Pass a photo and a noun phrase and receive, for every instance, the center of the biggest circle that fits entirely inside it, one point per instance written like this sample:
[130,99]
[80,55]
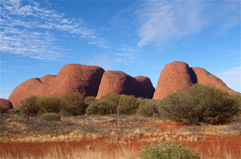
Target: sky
[38,37]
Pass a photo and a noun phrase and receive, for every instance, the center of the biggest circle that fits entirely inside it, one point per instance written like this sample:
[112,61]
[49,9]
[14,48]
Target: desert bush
[78,108]
[200,104]
[148,107]
[3,109]
[164,150]
[50,104]
[74,104]
[29,105]
[127,104]
[107,104]
[89,100]
[50,117]
[101,107]
[112,97]
[14,111]
[72,97]
[237,98]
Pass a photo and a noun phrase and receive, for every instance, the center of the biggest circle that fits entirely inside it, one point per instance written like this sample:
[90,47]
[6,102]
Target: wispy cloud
[30,29]
[232,78]
[162,21]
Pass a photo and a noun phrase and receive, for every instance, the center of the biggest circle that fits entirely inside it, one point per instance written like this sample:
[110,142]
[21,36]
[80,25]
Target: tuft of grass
[50,117]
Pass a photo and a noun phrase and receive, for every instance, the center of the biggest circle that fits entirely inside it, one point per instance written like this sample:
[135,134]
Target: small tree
[29,106]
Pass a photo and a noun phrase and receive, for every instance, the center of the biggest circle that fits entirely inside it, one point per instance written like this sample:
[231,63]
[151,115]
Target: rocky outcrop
[77,78]
[70,78]
[48,78]
[145,88]
[94,81]
[121,83]
[204,77]
[5,103]
[177,75]
[174,76]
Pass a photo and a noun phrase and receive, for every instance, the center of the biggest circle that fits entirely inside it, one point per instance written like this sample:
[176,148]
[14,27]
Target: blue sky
[137,37]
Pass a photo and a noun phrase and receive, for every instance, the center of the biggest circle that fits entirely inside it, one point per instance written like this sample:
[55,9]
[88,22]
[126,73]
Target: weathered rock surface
[5,103]
[177,75]
[121,83]
[174,76]
[70,78]
[48,78]
[145,88]
[204,77]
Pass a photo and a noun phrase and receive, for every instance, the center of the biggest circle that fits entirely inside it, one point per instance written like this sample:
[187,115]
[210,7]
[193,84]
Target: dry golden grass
[16,129]
[99,152]
[102,152]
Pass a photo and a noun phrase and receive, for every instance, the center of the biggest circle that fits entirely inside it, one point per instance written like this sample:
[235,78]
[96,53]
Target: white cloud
[30,29]
[232,78]
[162,21]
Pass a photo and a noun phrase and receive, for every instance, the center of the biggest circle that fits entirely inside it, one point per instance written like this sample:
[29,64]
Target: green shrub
[112,97]
[50,117]
[164,150]
[148,107]
[50,104]
[107,104]
[101,107]
[71,98]
[74,104]
[3,109]
[200,104]
[89,100]
[14,111]
[127,104]
[29,105]
[76,109]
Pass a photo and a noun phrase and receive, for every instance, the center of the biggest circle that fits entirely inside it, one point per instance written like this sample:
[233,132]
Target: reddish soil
[213,143]
[230,144]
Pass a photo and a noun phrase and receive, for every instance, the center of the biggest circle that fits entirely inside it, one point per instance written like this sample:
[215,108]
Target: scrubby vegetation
[75,104]
[200,104]
[50,117]
[124,118]
[168,151]
[3,109]
[148,107]
[197,104]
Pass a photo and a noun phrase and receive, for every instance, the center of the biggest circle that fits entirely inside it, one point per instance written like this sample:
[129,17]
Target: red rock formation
[177,75]
[113,82]
[48,78]
[174,76]
[121,83]
[5,103]
[77,78]
[204,77]
[71,78]
[145,88]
